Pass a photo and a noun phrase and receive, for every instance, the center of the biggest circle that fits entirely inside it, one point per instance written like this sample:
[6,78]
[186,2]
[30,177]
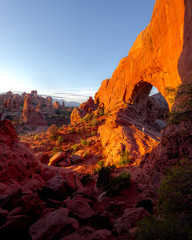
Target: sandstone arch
[153,57]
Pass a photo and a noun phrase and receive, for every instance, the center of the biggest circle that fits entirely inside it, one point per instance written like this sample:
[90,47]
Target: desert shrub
[93,133]
[147,204]
[117,184]
[101,163]
[84,142]
[52,132]
[112,185]
[88,117]
[151,228]
[125,158]
[101,112]
[174,208]
[94,122]
[183,109]
[74,148]
[60,140]
[36,137]
[104,177]
[56,150]
[175,192]
[86,179]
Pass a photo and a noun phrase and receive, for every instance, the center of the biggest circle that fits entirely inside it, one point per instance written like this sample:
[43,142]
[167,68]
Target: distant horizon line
[73,97]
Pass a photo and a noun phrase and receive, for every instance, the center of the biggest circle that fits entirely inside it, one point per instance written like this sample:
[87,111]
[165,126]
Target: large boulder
[79,209]
[16,159]
[129,219]
[53,224]
[56,158]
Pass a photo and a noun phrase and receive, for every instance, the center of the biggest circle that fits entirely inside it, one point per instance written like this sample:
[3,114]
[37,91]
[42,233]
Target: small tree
[174,208]
[53,132]
[182,110]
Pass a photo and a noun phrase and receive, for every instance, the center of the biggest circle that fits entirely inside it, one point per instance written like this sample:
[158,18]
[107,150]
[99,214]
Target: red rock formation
[153,58]
[31,116]
[9,93]
[9,103]
[63,106]
[76,115]
[56,105]
[16,103]
[34,93]
[5,103]
[87,107]
[48,102]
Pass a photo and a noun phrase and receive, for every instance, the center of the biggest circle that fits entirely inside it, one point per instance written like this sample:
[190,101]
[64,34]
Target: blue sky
[66,47]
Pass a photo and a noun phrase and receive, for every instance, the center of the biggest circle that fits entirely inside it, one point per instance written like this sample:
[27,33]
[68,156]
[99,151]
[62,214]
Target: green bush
[125,158]
[174,208]
[52,132]
[36,137]
[101,163]
[101,112]
[112,185]
[56,150]
[84,142]
[94,122]
[93,133]
[74,148]
[60,140]
[88,117]
[119,183]
[175,192]
[183,110]
[104,177]
[151,228]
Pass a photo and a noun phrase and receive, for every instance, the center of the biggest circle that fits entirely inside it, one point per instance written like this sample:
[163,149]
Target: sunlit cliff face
[153,58]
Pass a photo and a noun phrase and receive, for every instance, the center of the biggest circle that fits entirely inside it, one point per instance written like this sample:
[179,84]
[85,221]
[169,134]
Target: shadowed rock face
[153,57]
[16,160]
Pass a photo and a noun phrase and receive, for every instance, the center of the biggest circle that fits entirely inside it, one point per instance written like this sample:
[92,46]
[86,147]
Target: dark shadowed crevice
[141,92]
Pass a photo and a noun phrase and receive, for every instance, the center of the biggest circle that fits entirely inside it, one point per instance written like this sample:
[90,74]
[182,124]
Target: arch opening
[151,107]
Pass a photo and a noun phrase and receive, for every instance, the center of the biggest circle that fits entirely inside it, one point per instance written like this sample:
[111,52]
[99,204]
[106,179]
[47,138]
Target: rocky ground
[42,202]
[92,179]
